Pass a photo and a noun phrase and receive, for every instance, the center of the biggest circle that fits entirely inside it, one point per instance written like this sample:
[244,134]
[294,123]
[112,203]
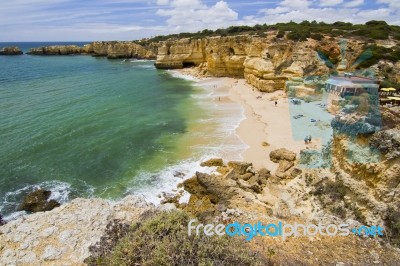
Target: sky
[91,20]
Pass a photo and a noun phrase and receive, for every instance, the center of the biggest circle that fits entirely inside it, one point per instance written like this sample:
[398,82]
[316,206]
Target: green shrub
[339,211]
[280,34]
[373,53]
[317,36]
[163,239]
[336,190]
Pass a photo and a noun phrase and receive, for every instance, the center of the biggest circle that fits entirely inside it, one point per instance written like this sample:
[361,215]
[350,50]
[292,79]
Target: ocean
[85,126]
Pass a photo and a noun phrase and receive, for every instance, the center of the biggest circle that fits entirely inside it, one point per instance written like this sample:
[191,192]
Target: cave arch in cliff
[231,51]
[187,64]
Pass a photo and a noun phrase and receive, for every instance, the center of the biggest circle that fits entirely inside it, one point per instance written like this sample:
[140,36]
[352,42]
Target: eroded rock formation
[265,63]
[110,50]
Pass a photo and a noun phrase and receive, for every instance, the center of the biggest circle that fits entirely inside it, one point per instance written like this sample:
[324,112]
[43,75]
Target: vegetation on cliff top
[162,239]
[375,30]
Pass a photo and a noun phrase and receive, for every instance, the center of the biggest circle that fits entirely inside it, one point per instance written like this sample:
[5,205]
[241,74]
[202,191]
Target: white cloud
[193,15]
[330,2]
[277,10]
[391,3]
[354,3]
[162,2]
[296,4]
[40,20]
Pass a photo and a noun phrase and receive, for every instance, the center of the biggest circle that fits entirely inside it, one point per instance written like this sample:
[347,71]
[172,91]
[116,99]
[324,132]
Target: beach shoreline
[264,127]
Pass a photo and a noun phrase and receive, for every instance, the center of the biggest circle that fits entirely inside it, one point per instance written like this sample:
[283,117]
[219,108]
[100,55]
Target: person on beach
[309,139]
[306,140]
[276,103]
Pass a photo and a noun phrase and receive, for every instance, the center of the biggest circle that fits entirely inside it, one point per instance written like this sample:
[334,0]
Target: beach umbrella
[388,89]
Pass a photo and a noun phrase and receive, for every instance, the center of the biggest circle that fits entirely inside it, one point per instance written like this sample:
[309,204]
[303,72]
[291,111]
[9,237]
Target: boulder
[12,50]
[37,201]
[285,158]
[264,173]
[282,154]
[246,176]
[213,162]
[240,167]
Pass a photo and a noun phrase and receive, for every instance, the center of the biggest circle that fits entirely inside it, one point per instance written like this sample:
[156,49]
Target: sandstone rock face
[265,62]
[63,236]
[13,50]
[55,50]
[37,201]
[111,50]
[373,187]
[115,50]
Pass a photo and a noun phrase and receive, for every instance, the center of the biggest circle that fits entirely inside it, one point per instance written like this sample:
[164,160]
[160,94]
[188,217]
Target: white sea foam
[60,192]
[226,144]
[177,74]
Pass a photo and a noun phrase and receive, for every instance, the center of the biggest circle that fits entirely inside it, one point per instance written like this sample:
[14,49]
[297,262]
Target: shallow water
[84,126]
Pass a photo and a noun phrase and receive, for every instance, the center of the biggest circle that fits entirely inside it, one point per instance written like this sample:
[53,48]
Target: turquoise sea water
[84,126]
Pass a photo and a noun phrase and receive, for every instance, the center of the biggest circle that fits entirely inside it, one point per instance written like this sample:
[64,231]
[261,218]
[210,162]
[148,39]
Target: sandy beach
[266,127]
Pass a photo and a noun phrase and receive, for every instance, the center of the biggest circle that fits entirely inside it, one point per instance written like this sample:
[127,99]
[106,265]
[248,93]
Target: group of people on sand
[307,139]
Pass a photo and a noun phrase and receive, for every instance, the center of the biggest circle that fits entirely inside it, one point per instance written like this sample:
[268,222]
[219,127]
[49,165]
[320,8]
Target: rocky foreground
[63,236]
[353,194]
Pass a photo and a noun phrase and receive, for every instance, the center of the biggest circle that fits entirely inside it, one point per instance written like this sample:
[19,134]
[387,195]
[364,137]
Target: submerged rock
[37,201]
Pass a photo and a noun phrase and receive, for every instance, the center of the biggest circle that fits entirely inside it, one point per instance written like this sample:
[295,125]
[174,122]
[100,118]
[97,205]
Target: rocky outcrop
[56,50]
[12,50]
[371,185]
[387,142]
[115,50]
[237,189]
[110,50]
[213,162]
[38,201]
[286,160]
[63,236]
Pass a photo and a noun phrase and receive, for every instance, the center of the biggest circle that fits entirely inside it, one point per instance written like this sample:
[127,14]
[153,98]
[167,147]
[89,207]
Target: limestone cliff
[266,63]
[110,50]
